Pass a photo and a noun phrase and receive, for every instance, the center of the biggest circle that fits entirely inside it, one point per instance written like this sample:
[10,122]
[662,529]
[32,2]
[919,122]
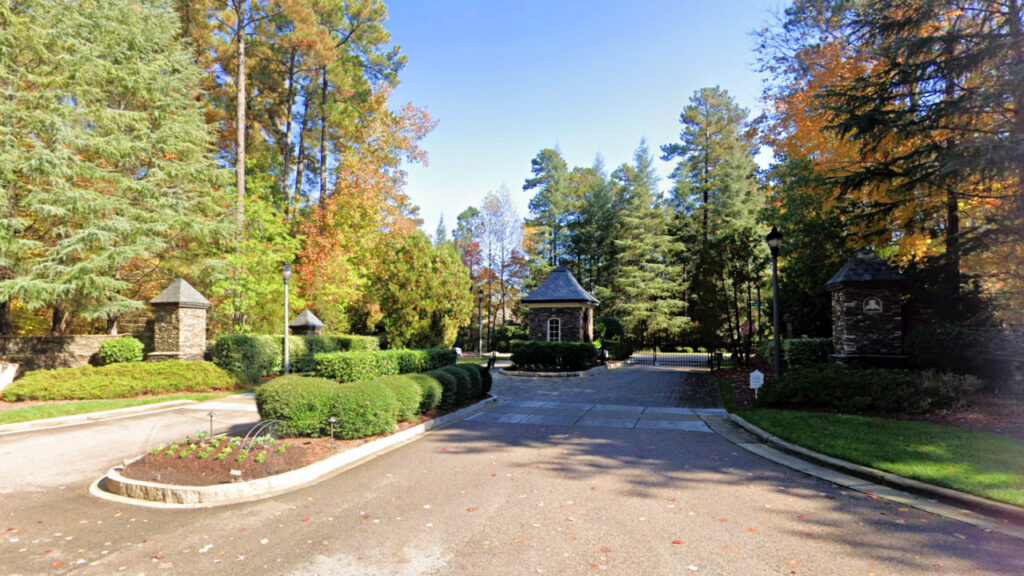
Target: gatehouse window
[554,330]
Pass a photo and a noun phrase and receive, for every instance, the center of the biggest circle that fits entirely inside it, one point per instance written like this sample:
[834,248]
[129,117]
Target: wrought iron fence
[655,357]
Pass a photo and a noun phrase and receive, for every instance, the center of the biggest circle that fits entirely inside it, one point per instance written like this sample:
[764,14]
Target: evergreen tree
[646,294]
[549,205]
[106,156]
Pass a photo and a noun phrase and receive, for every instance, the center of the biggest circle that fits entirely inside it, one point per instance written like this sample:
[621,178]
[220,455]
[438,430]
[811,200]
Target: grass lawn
[973,462]
[471,360]
[71,408]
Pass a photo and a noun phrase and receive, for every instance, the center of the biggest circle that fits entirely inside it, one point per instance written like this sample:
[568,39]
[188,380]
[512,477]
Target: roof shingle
[560,286]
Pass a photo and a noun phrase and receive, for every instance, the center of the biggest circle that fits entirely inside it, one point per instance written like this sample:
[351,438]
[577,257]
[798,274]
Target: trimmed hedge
[472,372]
[353,366]
[256,355]
[123,380]
[124,349]
[367,408]
[867,390]
[553,355]
[798,352]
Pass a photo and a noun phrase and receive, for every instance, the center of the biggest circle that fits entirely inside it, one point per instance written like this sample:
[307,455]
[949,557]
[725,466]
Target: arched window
[554,330]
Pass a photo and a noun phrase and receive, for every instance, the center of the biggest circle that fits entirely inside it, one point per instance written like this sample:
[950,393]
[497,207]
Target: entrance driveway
[491,498]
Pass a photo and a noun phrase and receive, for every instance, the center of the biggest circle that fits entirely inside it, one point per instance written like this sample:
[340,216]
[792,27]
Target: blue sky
[506,79]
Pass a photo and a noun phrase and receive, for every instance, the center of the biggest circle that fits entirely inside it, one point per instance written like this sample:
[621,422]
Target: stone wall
[38,352]
[859,329]
[572,320]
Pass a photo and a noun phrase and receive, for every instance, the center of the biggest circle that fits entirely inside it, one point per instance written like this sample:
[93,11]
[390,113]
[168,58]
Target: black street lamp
[480,322]
[286,272]
[774,240]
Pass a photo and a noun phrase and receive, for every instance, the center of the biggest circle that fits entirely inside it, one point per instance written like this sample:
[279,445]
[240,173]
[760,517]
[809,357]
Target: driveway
[488,497]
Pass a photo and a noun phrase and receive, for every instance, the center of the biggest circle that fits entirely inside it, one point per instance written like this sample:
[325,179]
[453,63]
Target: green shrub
[472,371]
[248,356]
[463,386]
[430,391]
[304,404]
[355,366]
[944,346]
[877,390]
[553,355]
[608,328]
[257,355]
[449,388]
[124,349]
[124,380]
[407,392]
[617,349]
[798,352]
[440,357]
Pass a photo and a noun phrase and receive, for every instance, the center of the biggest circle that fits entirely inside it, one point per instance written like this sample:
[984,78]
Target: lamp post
[480,322]
[286,272]
[774,240]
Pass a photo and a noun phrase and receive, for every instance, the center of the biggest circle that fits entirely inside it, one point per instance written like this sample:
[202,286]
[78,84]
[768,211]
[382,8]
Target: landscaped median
[305,409]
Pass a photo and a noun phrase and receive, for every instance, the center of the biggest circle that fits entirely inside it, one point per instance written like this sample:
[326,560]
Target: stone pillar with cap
[179,323]
[867,318]
[306,324]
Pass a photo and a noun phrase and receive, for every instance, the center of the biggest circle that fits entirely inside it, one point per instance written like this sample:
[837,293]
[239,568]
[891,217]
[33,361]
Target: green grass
[965,460]
[58,409]
[481,361]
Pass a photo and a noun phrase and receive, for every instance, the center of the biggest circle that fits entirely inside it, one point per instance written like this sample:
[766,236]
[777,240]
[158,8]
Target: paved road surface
[486,497]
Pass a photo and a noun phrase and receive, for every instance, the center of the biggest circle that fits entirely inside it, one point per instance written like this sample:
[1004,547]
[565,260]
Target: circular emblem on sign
[873,305]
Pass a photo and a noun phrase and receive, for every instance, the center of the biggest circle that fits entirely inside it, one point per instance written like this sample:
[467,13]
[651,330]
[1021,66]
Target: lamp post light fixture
[774,240]
[286,272]
[332,421]
[480,322]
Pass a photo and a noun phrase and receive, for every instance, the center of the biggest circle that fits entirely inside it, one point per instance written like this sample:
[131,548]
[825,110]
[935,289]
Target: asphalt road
[491,498]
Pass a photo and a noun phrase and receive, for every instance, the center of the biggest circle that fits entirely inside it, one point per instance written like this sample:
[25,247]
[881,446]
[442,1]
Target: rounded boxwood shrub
[449,388]
[473,373]
[464,387]
[408,395]
[124,349]
[304,404]
[249,356]
[430,392]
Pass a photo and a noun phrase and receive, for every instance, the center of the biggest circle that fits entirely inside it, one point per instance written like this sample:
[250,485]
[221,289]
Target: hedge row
[355,366]
[370,407]
[798,352]
[553,355]
[252,356]
[122,380]
[832,387]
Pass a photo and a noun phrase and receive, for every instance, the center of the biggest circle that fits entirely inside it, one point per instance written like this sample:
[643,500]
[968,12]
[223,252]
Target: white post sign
[756,381]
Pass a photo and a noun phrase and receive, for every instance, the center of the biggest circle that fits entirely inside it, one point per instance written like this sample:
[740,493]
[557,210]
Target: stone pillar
[867,318]
[179,323]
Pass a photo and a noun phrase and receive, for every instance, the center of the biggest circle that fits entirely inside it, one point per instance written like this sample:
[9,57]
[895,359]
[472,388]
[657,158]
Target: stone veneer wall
[178,333]
[857,333]
[39,352]
[571,320]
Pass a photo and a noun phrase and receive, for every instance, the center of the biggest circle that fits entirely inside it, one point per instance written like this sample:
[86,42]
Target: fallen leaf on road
[57,564]
[473,509]
[677,541]
[305,519]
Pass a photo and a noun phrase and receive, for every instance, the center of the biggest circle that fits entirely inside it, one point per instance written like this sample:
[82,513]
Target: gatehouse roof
[560,286]
[306,320]
[866,268]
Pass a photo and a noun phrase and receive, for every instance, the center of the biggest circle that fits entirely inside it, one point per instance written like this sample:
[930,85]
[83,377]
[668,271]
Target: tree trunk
[60,322]
[323,137]
[286,145]
[240,117]
[6,326]
[1017,42]
[300,154]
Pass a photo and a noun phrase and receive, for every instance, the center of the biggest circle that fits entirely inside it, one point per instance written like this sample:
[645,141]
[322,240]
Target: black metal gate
[655,357]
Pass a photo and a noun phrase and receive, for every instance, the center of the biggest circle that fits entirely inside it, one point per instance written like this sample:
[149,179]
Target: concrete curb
[967,500]
[63,421]
[117,488]
[574,374]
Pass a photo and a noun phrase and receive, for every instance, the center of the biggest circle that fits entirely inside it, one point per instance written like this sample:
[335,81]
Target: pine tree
[549,205]
[105,152]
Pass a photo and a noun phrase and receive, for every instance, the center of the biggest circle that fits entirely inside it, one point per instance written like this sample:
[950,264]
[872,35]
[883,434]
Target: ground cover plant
[122,380]
[974,462]
[13,415]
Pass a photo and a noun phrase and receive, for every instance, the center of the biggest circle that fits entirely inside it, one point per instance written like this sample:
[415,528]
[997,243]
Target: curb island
[118,488]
